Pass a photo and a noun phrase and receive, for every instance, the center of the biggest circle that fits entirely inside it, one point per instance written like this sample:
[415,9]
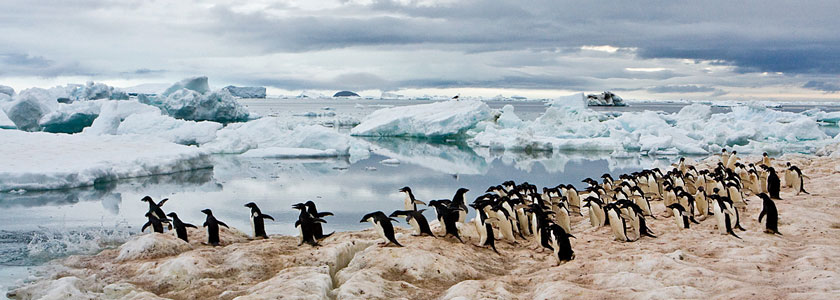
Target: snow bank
[191,99]
[433,120]
[693,130]
[38,161]
[246,92]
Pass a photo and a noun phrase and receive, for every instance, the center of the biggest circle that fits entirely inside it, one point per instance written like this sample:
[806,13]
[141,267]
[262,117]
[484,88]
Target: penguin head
[462,191]
[764,154]
[310,205]
[146,199]
[172,215]
[405,189]
[299,206]
[251,205]
[207,211]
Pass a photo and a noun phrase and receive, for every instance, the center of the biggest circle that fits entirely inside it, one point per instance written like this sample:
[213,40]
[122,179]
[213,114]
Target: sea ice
[191,99]
[40,161]
[433,120]
[27,108]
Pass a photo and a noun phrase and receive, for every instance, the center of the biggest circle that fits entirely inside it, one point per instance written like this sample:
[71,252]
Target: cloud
[822,86]
[25,64]
[681,89]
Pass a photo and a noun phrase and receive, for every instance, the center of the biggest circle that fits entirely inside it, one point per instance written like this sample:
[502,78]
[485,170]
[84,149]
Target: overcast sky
[770,49]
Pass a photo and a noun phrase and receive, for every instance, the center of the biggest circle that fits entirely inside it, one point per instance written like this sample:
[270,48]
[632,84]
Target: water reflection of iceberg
[231,167]
[446,157]
[110,193]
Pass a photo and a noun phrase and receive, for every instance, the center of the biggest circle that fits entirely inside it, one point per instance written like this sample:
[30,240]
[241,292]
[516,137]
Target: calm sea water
[39,226]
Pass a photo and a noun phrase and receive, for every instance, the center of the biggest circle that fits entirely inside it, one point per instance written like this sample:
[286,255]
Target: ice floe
[191,99]
[433,120]
[246,91]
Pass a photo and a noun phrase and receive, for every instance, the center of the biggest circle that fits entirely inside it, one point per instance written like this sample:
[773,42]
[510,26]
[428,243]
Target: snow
[39,161]
[433,120]
[170,129]
[152,245]
[246,92]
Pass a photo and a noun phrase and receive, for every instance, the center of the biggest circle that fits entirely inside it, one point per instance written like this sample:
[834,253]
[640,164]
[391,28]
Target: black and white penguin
[383,226]
[417,221]
[723,212]
[597,215]
[797,179]
[154,222]
[155,209]
[459,204]
[617,223]
[560,243]
[258,221]
[447,217]
[486,235]
[305,225]
[410,203]
[318,229]
[680,215]
[180,227]
[773,184]
[212,226]
[769,210]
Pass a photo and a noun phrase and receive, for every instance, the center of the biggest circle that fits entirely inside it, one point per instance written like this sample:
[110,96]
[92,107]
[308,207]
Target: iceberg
[434,120]
[606,98]
[81,160]
[131,117]
[72,117]
[191,99]
[5,122]
[7,90]
[246,92]
[27,108]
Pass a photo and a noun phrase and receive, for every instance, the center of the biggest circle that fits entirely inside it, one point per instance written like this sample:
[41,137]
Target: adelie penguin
[383,226]
[258,220]
[485,229]
[769,210]
[797,180]
[459,203]
[410,203]
[774,185]
[680,215]
[417,221]
[180,227]
[313,211]
[154,222]
[154,208]
[306,225]
[447,217]
[560,243]
[212,226]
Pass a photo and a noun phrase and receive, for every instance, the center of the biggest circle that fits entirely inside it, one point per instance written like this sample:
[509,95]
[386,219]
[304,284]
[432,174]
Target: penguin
[383,226]
[410,203]
[560,243]
[769,210]
[730,163]
[417,221]
[257,220]
[680,215]
[180,227]
[486,235]
[702,202]
[305,225]
[617,223]
[773,184]
[506,223]
[724,218]
[155,209]
[724,157]
[212,226]
[797,179]
[318,229]
[459,204]
[154,222]
[765,160]
[447,217]
[597,216]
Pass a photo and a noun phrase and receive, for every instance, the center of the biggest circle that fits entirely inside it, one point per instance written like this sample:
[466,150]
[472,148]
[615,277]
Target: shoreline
[691,263]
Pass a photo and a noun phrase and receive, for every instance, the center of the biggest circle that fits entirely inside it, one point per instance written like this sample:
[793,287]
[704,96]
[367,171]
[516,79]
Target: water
[39,226]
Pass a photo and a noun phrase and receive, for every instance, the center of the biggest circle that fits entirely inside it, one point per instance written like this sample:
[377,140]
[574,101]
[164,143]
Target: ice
[5,122]
[271,132]
[152,245]
[605,99]
[72,117]
[170,129]
[28,107]
[246,92]
[283,152]
[191,99]
[40,161]
[433,120]
[7,90]
[112,113]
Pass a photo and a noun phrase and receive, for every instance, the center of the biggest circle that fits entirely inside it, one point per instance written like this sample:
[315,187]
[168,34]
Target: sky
[660,50]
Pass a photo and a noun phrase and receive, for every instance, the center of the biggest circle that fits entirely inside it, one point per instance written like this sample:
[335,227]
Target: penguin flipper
[222,224]
[326,235]
[324,214]
[693,220]
[264,216]
[162,202]
[189,225]
[732,233]
[761,215]
[145,226]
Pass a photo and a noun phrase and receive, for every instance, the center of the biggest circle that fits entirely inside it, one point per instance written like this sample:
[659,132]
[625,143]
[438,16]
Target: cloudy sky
[771,49]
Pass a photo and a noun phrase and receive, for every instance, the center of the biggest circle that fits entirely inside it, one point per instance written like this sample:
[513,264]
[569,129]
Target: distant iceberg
[433,120]
[246,91]
[191,99]
[606,98]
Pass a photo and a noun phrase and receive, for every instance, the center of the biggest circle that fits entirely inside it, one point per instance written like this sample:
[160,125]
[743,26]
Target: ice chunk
[71,118]
[189,104]
[92,91]
[7,90]
[28,107]
[433,120]
[40,161]
[246,92]
[170,129]
[509,119]
[604,99]
[196,84]
[113,112]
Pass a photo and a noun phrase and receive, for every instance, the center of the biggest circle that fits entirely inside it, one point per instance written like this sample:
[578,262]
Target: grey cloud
[24,64]
[822,86]
[681,89]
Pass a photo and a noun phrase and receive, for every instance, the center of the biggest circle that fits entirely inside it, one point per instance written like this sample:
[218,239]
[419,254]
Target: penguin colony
[512,212]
